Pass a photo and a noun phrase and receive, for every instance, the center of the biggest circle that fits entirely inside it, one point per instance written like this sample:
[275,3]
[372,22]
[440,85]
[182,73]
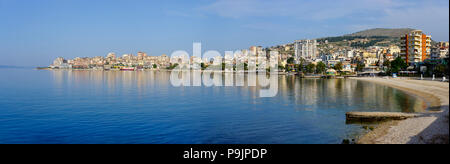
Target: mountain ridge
[369,37]
[386,32]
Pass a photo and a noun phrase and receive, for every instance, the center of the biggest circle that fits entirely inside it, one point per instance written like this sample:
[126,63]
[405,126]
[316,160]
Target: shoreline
[430,128]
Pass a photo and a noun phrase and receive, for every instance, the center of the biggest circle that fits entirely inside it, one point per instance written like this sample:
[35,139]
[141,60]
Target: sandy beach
[431,127]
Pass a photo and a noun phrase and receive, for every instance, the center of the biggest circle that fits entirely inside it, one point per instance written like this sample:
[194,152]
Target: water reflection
[348,93]
[61,106]
[306,94]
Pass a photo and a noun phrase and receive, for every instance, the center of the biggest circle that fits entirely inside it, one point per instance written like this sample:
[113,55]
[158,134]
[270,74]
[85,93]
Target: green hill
[367,38]
[396,32]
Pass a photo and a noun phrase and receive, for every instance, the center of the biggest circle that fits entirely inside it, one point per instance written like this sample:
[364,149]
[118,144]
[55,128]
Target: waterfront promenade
[431,127]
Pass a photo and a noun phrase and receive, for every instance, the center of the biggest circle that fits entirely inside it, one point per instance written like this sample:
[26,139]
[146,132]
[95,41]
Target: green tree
[223,66]
[360,67]
[172,66]
[287,68]
[155,66]
[290,60]
[297,67]
[310,68]
[387,66]
[446,62]
[398,64]
[439,70]
[338,67]
[302,62]
[281,67]
[321,67]
[203,65]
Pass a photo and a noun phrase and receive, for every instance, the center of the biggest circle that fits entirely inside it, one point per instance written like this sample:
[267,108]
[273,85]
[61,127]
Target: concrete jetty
[377,116]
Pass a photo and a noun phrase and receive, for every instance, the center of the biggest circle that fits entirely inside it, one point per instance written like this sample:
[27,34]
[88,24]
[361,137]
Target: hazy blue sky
[34,32]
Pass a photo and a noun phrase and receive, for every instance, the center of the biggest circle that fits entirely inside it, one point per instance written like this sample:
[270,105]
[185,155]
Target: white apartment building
[306,49]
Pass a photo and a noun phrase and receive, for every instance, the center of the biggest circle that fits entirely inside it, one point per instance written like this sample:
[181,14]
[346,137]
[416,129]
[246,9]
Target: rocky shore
[432,127]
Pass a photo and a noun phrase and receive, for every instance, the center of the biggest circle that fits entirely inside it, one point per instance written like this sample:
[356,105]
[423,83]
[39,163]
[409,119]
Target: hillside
[367,38]
[382,32]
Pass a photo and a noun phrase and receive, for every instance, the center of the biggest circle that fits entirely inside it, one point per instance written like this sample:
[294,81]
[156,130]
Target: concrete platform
[353,117]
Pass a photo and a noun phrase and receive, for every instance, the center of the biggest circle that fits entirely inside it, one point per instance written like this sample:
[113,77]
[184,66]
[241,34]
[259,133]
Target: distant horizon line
[16,66]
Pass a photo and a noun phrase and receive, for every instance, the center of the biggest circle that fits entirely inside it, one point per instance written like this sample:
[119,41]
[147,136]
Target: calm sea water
[44,106]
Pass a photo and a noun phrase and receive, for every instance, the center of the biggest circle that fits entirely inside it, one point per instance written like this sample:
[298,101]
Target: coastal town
[225,79]
[374,52]
[411,53]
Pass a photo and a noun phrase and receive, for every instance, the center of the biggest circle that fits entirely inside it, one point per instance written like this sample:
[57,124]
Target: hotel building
[415,47]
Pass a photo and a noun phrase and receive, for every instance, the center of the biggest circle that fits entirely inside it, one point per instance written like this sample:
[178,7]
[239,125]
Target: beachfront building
[394,50]
[306,49]
[439,53]
[415,47]
[370,62]
[440,50]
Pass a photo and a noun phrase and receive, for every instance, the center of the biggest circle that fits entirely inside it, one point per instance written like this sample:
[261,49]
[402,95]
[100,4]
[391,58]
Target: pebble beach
[431,127]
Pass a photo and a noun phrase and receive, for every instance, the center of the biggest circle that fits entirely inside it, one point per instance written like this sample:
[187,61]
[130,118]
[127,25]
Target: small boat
[127,69]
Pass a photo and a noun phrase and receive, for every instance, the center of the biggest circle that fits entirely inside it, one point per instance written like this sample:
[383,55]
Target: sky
[34,32]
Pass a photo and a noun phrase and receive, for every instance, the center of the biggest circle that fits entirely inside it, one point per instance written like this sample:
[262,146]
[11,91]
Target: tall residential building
[306,49]
[415,47]
[141,55]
